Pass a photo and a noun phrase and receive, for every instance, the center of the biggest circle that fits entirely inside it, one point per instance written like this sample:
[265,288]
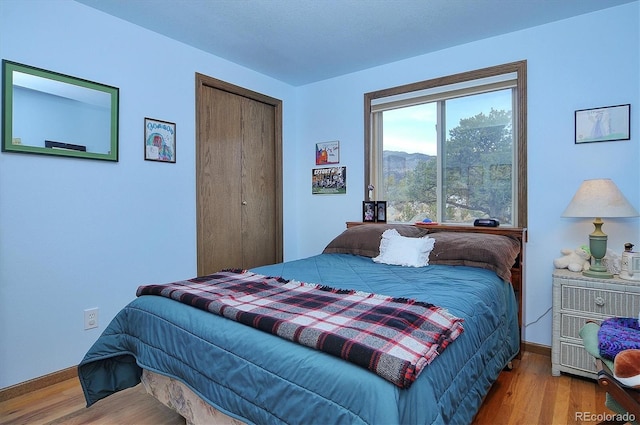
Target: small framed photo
[368,211]
[328,153]
[159,140]
[603,124]
[381,211]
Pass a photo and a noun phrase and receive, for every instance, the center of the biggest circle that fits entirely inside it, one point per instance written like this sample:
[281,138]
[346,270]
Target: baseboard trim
[38,383]
[532,347]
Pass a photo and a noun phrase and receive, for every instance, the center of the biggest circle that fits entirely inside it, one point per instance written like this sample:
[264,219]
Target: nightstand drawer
[600,301]
[575,356]
[570,325]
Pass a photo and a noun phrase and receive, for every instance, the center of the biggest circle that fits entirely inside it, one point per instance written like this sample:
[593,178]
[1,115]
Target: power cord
[539,317]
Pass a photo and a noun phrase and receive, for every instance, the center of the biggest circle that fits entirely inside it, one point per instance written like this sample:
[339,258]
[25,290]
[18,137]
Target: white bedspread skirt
[177,396]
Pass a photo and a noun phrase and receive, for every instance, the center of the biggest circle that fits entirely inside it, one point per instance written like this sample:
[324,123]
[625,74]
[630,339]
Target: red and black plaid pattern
[395,338]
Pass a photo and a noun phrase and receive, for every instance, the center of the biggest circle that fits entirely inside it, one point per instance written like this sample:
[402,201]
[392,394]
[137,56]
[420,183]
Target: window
[451,149]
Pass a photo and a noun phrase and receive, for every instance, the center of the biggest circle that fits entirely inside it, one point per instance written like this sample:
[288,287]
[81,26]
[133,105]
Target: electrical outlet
[91,318]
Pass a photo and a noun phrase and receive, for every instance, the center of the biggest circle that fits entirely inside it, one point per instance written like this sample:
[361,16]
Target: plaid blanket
[395,338]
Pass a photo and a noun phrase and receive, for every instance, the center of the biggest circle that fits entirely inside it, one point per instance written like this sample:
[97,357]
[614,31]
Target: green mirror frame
[49,113]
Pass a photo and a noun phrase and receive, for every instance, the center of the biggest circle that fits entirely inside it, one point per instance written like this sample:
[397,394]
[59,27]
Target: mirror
[55,114]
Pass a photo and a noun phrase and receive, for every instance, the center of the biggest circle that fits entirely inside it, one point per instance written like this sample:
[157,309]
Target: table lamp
[599,198]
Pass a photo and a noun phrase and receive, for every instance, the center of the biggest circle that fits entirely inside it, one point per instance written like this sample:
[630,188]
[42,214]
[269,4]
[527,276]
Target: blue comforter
[261,378]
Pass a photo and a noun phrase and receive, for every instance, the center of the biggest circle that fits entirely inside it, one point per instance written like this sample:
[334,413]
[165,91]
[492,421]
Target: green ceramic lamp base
[598,248]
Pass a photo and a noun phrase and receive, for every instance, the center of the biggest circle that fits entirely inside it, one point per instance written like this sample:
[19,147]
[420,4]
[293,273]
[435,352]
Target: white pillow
[403,251]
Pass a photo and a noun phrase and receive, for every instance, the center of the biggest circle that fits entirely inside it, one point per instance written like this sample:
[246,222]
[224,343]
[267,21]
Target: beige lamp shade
[599,198]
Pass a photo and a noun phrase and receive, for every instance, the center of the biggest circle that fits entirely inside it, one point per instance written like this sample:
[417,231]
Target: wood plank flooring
[526,395]
[63,403]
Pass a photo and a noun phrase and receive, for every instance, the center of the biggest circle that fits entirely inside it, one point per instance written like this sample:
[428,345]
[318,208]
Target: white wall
[584,62]
[77,233]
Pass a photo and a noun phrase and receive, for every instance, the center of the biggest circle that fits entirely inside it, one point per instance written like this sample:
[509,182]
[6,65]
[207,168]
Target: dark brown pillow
[364,239]
[493,252]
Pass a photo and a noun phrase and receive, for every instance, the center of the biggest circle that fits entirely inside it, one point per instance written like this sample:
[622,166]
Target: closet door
[238,173]
[219,192]
[259,191]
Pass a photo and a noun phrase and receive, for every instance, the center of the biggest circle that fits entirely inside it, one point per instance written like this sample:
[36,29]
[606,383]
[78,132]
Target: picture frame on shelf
[368,211]
[381,211]
[159,140]
[606,124]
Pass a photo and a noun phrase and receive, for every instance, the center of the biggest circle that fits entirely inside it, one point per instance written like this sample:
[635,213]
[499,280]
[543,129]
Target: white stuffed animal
[576,260]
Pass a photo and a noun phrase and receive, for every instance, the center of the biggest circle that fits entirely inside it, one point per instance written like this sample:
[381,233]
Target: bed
[210,368]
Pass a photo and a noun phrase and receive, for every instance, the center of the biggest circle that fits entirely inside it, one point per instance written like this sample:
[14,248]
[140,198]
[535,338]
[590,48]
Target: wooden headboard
[517,271]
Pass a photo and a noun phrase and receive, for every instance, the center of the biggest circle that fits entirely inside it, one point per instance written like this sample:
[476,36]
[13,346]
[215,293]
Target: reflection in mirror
[50,113]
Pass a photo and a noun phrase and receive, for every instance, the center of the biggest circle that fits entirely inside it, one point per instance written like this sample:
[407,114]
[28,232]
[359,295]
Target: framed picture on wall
[603,124]
[368,211]
[328,153]
[381,211]
[329,181]
[159,140]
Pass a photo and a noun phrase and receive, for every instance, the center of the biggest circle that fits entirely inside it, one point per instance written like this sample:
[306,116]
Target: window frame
[520,109]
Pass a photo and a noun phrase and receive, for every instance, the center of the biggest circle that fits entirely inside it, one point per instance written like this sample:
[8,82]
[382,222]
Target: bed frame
[179,397]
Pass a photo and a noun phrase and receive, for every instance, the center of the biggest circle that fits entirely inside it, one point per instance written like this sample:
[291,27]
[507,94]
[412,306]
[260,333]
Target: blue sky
[413,129]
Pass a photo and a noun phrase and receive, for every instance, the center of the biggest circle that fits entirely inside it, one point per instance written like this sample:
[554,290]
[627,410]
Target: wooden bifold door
[238,177]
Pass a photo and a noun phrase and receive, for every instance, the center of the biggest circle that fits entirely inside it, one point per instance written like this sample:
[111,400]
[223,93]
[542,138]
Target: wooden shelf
[518,232]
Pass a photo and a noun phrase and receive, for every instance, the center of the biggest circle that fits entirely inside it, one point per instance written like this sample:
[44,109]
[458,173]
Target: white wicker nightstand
[577,299]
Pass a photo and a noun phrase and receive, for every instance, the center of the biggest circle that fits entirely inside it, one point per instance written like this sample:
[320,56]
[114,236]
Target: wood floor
[526,395]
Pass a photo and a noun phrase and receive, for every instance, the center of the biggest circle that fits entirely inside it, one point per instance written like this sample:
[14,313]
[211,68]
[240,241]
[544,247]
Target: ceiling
[304,41]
